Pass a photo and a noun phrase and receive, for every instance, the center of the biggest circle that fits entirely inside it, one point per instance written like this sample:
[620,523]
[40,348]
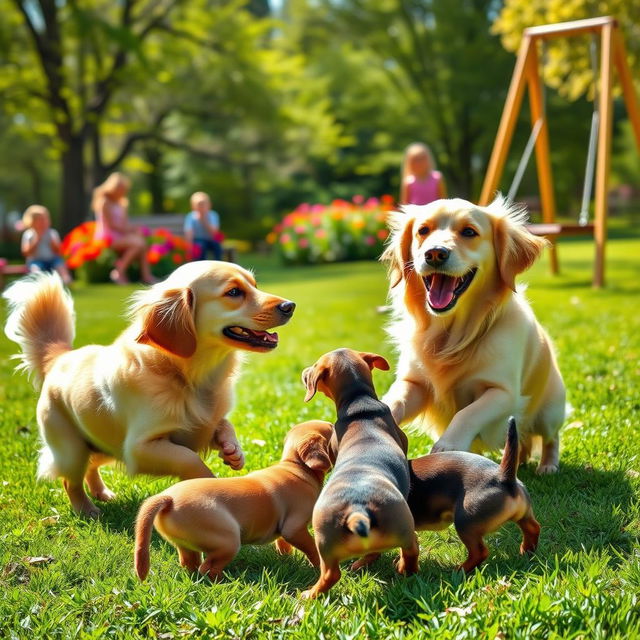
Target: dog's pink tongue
[441,292]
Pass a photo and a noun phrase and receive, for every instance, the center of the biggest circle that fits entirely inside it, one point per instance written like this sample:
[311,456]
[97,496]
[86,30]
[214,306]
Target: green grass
[584,581]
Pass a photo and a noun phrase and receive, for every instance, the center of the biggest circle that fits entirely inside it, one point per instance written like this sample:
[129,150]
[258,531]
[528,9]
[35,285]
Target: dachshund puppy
[363,507]
[160,393]
[474,493]
[215,516]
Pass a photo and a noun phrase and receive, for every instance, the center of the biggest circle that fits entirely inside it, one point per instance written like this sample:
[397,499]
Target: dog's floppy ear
[168,323]
[375,361]
[310,378]
[398,251]
[516,248]
[313,451]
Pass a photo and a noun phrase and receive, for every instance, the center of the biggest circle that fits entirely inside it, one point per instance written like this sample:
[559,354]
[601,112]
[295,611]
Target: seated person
[202,228]
[40,243]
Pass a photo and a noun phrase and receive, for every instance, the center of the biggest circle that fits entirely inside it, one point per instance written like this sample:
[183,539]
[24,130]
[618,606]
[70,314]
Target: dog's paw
[232,455]
[283,547]
[309,594]
[104,495]
[545,469]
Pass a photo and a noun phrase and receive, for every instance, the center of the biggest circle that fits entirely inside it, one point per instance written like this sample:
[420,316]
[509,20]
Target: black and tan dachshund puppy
[363,507]
[475,494]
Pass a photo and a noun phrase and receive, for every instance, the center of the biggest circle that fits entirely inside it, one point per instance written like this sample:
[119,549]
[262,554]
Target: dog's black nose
[287,307]
[437,256]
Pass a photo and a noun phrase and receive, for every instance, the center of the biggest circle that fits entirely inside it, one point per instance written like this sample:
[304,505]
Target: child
[202,227]
[421,183]
[40,243]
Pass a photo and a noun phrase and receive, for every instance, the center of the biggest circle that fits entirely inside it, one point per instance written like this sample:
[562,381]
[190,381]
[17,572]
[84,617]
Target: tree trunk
[155,179]
[74,204]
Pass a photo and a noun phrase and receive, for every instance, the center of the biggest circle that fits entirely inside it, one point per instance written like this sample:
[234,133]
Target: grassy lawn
[584,581]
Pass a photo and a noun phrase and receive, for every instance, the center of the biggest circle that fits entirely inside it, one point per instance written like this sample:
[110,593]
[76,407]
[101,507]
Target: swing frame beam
[527,75]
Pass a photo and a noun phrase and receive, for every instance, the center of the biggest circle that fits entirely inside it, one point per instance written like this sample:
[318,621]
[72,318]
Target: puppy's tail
[144,526]
[359,522]
[509,463]
[41,321]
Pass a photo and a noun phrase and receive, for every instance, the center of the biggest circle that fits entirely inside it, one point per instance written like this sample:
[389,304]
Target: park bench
[174,222]
[7,269]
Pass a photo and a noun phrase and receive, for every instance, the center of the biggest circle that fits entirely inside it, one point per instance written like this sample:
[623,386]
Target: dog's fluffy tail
[144,526]
[41,321]
[509,463]
[359,522]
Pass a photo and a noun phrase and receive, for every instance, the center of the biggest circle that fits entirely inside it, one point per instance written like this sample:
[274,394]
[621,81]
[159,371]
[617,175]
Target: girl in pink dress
[112,224]
[421,182]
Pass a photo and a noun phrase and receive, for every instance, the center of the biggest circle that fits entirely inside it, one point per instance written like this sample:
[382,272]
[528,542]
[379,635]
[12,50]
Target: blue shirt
[191,223]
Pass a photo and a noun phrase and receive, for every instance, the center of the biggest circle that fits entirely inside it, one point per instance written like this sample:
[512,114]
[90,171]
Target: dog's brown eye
[423,231]
[234,293]
[469,232]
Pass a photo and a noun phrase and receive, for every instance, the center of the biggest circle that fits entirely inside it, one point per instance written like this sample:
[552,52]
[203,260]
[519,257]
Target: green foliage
[582,583]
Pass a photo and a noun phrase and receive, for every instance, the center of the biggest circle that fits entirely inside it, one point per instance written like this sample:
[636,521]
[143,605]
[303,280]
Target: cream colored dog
[471,350]
[160,393]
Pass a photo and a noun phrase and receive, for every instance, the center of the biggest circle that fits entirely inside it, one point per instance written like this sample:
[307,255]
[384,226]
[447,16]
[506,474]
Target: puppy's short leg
[161,457]
[530,533]
[283,547]
[226,441]
[365,561]
[189,559]
[329,575]
[525,450]
[550,459]
[216,561]
[408,561]
[97,488]
[477,550]
[302,540]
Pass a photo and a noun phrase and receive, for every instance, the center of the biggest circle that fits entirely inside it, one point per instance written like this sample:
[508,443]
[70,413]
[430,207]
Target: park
[297,136]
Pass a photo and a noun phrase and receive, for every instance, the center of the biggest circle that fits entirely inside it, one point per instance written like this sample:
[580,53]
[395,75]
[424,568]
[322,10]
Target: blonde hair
[107,188]
[416,150]
[198,195]
[34,211]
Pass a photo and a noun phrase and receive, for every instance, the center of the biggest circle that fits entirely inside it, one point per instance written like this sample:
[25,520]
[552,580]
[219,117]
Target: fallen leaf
[259,443]
[38,560]
[49,520]
[632,473]
[18,570]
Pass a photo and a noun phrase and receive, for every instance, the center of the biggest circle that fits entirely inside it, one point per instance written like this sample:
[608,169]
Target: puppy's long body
[362,508]
[471,350]
[215,516]
[475,494]
[156,396]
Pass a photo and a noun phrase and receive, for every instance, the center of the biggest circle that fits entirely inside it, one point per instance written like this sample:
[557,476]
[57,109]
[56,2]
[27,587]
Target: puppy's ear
[310,378]
[375,361]
[313,451]
[168,323]
[398,251]
[516,248]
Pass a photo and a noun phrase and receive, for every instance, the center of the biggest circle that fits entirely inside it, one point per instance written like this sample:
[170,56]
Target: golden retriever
[471,350]
[156,396]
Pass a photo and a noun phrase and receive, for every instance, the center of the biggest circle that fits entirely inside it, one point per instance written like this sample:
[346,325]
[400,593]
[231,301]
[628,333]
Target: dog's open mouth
[262,339]
[443,290]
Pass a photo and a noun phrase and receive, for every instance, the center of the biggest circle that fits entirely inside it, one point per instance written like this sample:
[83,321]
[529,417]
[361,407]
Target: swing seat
[555,229]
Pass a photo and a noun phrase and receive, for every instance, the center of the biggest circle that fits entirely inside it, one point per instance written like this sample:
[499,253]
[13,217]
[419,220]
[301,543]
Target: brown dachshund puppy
[215,516]
[474,493]
[363,507]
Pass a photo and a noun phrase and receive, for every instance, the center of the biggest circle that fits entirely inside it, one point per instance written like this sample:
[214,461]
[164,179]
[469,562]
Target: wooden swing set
[527,73]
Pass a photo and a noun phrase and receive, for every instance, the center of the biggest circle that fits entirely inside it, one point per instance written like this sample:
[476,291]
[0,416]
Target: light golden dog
[160,393]
[471,350]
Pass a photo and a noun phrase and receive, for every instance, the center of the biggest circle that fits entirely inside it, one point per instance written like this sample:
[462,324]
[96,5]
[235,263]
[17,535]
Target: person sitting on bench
[202,228]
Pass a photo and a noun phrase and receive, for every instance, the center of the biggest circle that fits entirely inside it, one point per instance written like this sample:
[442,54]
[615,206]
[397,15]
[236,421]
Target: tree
[567,65]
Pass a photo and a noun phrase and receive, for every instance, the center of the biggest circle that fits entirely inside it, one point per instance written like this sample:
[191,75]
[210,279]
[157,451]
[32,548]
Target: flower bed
[92,259]
[338,232]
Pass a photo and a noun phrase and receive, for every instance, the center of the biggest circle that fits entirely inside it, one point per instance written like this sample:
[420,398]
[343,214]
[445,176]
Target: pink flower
[320,233]
[369,240]
[285,238]
[304,243]
[317,208]
[145,231]
[372,203]
[300,228]
[358,199]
